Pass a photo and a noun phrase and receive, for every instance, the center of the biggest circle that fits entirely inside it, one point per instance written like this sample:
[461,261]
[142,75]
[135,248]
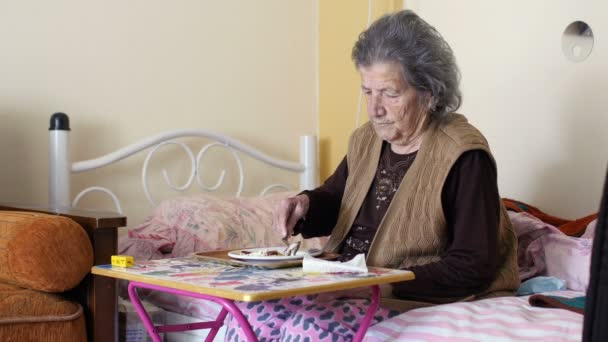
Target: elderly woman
[417,189]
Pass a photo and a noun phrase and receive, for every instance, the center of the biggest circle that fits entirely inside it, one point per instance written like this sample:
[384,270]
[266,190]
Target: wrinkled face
[392,104]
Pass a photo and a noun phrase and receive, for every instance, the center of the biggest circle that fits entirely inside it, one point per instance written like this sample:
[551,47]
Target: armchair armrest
[96,294]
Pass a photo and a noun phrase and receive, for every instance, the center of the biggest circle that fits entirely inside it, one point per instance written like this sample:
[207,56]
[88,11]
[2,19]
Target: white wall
[123,70]
[544,116]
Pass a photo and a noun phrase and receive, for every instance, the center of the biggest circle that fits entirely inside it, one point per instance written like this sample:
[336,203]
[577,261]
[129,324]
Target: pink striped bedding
[496,319]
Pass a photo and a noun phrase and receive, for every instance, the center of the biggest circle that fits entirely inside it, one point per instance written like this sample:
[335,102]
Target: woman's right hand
[288,212]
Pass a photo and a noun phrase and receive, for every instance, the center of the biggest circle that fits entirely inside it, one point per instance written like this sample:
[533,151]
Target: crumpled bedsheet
[545,250]
[198,223]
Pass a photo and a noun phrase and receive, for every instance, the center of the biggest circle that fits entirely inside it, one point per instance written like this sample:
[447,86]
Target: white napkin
[314,265]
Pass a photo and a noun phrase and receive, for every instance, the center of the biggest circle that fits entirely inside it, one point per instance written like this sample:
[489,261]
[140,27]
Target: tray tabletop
[247,284]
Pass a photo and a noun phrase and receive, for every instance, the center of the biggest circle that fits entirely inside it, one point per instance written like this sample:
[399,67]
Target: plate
[238,254]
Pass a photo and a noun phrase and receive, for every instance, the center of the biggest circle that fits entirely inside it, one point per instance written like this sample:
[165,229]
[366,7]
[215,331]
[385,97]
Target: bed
[203,222]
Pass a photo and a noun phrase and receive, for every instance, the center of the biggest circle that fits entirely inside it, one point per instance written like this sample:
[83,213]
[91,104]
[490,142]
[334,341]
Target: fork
[291,248]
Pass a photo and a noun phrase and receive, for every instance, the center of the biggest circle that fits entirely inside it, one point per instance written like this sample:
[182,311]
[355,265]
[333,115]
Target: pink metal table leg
[220,319]
[227,304]
[367,319]
[228,307]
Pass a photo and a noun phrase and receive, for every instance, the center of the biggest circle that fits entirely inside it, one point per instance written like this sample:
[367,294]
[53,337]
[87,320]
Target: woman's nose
[377,107]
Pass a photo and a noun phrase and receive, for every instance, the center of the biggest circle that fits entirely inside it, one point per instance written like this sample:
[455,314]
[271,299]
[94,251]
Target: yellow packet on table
[123,260]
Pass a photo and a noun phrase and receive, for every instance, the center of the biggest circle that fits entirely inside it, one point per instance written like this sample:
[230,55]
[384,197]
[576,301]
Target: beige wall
[123,70]
[544,116]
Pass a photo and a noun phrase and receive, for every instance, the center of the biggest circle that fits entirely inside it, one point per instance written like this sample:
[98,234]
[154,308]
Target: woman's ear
[431,103]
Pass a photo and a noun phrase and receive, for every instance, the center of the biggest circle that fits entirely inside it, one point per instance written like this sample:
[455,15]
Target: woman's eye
[391,95]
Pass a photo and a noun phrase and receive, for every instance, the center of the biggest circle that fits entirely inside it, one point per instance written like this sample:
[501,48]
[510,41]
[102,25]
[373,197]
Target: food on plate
[263,252]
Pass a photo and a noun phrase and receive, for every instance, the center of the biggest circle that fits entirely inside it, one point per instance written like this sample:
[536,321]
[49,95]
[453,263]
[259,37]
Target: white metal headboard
[61,166]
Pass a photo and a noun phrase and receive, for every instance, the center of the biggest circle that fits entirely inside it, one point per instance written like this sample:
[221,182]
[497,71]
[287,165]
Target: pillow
[545,250]
[530,249]
[43,252]
[201,222]
[569,258]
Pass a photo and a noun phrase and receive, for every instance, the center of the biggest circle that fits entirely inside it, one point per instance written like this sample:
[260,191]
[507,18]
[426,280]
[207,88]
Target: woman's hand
[288,212]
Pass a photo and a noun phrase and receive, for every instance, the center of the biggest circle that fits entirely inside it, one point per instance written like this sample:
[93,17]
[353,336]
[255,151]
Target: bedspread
[198,223]
[496,319]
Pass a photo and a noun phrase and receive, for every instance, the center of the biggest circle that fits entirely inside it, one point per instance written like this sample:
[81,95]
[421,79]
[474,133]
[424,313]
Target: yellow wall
[340,22]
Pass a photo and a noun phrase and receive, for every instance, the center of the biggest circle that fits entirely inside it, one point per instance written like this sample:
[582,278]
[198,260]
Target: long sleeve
[472,209]
[324,204]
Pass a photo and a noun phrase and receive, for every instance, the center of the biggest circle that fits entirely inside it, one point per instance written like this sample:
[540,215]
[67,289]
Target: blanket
[503,319]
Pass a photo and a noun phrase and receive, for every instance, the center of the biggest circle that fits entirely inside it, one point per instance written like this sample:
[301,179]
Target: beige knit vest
[413,230]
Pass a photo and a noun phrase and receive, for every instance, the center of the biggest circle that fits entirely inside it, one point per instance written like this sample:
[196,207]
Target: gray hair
[427,60]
